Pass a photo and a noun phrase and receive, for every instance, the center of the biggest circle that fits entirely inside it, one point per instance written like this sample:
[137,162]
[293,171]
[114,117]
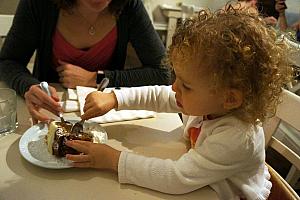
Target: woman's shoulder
[39,6]
[40,2]
[36,9]
[132,6]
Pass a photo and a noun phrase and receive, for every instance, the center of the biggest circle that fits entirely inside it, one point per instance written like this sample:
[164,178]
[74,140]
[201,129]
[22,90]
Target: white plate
[33,147]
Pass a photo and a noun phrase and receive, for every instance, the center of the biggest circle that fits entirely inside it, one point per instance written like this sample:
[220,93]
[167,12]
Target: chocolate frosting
[62,134]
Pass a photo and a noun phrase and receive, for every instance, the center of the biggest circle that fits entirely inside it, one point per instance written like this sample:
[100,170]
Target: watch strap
[100,76]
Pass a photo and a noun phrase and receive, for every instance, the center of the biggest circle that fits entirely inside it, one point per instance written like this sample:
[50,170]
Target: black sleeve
[149,48]
[18,48]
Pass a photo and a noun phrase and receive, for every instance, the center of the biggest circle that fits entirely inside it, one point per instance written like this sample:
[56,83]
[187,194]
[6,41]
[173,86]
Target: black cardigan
[34,24]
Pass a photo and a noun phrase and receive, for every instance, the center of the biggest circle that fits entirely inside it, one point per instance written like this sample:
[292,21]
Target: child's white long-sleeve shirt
[229,154]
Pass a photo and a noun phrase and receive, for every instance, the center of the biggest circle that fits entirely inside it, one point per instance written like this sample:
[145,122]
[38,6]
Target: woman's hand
[36,98]
[98,103]
[100,156]
[280,7]
[71,76]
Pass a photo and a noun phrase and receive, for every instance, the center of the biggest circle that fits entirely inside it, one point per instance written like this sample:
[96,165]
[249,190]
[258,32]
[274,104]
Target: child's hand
[98,103]
[100,156]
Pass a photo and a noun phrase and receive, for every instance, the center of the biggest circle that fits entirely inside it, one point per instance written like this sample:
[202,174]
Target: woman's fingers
[44,99]
[34,121]
[54,93]
[36,98]
[61,62]
[34,112]
[44,104]
[36,115]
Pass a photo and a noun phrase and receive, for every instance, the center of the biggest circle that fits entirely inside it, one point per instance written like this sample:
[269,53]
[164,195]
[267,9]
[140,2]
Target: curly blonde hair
[240,52]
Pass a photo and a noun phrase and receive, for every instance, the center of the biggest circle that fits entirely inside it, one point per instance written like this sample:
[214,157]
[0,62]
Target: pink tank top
[97,57]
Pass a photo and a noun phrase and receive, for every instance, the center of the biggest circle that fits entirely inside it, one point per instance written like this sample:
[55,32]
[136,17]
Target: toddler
[230,71]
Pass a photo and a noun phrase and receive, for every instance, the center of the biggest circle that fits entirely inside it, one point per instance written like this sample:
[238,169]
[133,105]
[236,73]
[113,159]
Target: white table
[160,136]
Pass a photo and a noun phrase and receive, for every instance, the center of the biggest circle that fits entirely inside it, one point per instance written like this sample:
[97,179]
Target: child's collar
[212,117]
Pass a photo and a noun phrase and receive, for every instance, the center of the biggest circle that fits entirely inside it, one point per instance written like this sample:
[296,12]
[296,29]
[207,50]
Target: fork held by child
[78,126]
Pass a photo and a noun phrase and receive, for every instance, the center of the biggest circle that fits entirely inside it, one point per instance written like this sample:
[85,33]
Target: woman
[272,11]
[78,42]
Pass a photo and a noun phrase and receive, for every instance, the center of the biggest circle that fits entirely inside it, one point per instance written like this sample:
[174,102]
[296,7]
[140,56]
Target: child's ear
[233,99]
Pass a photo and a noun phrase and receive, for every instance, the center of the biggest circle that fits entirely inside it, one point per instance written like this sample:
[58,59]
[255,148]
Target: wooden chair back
[289,112]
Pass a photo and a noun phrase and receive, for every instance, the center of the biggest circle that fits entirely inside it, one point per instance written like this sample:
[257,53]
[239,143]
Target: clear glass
[8,111]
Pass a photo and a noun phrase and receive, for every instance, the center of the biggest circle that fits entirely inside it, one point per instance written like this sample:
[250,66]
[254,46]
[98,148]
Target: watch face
[100,76]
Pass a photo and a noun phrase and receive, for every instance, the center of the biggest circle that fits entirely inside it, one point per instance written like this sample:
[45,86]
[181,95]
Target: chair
[174,13]
[294,57]
[289,112]
[5,24]
[281,190]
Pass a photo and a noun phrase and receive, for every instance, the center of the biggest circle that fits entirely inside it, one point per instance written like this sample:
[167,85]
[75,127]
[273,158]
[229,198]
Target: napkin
[113,115]
[72,94]
[70,105]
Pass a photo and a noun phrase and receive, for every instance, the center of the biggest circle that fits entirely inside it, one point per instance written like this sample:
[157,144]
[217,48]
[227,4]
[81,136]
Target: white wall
[293,6]
[293,11]
[8,6]
[158,16]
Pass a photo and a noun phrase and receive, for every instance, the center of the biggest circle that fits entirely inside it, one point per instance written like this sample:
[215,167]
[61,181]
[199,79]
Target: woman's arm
[148,47]
[280,8]
[18,48]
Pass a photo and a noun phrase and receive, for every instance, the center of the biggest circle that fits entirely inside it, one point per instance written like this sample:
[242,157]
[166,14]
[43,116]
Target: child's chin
[184,112]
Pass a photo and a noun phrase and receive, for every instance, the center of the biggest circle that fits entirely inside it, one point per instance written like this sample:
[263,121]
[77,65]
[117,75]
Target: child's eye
[186,87]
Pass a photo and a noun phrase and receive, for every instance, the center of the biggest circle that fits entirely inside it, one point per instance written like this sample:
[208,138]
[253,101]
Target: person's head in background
[252,3]
[228,62]
[269,10]
[114,6]
[265,7]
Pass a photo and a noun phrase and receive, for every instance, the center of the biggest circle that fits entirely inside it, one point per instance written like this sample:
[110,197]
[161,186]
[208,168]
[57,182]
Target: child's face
[194,94]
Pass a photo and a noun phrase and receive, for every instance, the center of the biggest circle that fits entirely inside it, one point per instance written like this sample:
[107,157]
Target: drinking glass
[8,111]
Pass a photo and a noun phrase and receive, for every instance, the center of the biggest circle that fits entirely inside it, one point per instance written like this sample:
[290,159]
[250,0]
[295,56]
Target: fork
[45,87]
[78,126]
